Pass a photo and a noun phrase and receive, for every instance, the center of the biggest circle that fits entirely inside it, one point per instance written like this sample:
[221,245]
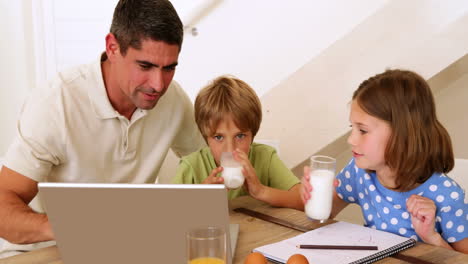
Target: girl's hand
[252,184]
[306,188]
[212,178]
[423,212]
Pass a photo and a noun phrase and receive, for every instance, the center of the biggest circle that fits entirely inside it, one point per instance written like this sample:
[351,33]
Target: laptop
[132,223]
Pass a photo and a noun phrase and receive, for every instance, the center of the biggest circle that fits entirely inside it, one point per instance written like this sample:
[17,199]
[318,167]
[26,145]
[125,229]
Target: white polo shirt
[71,133]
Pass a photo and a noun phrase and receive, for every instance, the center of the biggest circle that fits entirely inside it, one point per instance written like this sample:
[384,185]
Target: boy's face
[227,138]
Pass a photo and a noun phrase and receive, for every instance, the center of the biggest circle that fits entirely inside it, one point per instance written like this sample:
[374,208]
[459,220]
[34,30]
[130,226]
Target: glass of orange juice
[206,245]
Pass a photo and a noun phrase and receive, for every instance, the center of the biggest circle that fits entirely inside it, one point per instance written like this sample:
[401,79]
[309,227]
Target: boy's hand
[423,212]
[252,184]
[212,178]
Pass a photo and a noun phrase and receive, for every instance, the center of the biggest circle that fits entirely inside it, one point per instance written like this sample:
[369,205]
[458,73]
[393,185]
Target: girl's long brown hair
[419,145]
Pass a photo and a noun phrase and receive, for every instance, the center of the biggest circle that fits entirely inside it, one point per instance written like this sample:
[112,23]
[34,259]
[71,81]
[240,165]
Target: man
[110,121]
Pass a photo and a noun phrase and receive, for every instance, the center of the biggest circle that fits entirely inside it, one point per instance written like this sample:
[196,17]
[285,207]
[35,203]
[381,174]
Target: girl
[401,154]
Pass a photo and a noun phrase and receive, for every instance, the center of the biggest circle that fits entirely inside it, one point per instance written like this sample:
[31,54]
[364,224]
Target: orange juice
[206,261]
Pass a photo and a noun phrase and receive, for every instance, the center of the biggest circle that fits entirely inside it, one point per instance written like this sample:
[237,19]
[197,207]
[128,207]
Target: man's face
[144,75]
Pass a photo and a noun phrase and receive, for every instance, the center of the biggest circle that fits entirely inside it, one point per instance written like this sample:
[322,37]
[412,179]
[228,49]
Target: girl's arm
[423,214]
[461,245]
[438,240]
[338,205]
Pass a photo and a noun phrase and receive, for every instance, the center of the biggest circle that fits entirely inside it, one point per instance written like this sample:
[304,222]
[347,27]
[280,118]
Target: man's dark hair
[137,20]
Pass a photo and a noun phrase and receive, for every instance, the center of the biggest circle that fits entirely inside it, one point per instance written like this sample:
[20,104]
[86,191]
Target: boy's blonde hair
[419,145]
[227,96]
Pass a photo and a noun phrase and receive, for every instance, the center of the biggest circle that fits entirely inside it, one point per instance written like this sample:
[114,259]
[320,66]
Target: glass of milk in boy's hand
[232,171]
[322,175]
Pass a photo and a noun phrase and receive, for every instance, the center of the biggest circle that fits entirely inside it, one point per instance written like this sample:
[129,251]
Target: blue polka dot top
[385,209]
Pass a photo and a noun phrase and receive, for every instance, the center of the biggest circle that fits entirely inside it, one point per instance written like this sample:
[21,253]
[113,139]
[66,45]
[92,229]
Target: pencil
[338,247]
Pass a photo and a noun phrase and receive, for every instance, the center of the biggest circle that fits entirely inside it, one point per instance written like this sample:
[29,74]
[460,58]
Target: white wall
[79,29]
[304,57]
[16,69]
[271,39]
[452,106]
[310,109]
[264,42]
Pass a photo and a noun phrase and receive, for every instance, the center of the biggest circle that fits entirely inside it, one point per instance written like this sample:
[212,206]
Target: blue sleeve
[347,179]
[452,212]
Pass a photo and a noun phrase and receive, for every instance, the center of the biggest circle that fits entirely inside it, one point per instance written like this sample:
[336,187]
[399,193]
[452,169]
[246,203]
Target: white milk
[319,206]
[233,177]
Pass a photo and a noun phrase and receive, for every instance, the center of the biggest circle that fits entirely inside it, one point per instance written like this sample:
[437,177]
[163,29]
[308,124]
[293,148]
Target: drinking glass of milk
[232,171]
[322,175]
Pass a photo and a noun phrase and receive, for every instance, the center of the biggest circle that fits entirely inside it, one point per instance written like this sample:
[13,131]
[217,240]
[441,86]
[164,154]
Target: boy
[228,114]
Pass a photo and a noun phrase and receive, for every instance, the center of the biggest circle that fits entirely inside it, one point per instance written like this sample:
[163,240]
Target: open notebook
[340,233]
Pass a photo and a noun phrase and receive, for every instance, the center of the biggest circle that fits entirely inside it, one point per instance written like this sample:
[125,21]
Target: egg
[297,259]
[255,258]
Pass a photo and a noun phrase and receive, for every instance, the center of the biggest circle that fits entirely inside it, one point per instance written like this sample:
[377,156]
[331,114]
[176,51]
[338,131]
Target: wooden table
[255,232]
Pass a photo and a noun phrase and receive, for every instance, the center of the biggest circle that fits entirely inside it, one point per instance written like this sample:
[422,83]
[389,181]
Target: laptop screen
[131,223]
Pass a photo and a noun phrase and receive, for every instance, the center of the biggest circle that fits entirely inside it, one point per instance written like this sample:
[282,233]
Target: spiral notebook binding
[386,253]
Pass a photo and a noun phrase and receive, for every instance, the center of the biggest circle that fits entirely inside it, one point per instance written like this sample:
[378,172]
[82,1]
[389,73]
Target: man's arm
[19,224]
